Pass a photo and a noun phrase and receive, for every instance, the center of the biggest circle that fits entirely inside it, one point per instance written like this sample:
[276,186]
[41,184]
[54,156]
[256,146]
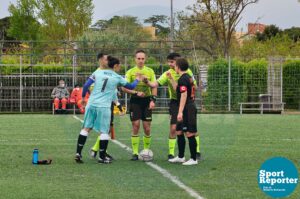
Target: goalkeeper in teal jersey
[165,80]
[98,110]
[94,150]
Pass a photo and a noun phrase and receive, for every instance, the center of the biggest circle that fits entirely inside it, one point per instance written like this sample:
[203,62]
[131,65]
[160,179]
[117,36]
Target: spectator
[60,94]
[76,97]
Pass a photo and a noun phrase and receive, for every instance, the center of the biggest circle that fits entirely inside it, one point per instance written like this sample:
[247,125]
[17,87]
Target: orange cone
[112,132]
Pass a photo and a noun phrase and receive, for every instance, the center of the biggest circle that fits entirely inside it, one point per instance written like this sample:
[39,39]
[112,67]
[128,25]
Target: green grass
[234,147]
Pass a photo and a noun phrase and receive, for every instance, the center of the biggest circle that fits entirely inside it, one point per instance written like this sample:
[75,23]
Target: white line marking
[42,139]
[77,118]
[124,139]
[157,139]
[164,172]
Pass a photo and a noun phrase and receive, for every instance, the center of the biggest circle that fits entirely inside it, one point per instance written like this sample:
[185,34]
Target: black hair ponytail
[112,61]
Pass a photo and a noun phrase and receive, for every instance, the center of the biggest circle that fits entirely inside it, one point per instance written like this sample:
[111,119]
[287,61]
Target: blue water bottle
[35,156]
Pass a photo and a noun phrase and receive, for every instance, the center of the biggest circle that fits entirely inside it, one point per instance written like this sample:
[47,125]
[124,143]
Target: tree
[100,24]
[115,33]
[59,20]
[117,22]
[124,24]
[221,17]
[4,26]
[23,22]
[293,33]
[190,29]
[65,19]
[279,45]
[156,19]
[159,22]
[269,32]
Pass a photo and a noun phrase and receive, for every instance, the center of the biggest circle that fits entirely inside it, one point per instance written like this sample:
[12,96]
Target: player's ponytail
[112,61]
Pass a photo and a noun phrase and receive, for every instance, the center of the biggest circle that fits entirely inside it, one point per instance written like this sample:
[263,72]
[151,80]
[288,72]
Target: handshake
[144,79]
[140,77]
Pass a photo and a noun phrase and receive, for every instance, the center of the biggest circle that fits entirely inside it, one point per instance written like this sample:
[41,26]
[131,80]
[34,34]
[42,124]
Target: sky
[283,13]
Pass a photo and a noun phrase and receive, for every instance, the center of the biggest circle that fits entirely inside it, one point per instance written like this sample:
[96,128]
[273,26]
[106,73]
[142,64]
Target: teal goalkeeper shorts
[97,118]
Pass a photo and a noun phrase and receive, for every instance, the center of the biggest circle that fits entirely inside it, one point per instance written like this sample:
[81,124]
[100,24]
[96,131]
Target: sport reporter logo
[277,177]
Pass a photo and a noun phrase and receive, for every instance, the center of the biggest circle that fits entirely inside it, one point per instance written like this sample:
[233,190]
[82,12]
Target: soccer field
[233,146]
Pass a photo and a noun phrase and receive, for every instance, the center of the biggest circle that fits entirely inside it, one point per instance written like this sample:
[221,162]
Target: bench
[259,106]
[74,109]
[69,108]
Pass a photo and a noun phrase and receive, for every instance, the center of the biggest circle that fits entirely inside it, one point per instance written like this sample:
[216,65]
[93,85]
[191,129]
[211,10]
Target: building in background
[254,28]
[151,30]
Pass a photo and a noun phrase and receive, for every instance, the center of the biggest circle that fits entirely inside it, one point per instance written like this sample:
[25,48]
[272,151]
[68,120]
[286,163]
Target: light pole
[172,27]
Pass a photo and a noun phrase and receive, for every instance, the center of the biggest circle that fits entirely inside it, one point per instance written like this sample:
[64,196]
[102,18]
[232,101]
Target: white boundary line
[123,139]
[164,172]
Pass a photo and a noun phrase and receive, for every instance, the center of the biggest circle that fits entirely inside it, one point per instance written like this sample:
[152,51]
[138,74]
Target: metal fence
[30,70]
[270,84]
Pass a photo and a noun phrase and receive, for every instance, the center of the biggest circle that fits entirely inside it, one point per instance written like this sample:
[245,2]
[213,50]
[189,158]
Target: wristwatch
[153,98]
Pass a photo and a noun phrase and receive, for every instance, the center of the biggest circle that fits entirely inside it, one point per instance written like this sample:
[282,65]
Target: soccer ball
[146,155]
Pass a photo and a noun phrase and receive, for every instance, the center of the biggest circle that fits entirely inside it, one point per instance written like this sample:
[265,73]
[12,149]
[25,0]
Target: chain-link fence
[270,85]
[30,70]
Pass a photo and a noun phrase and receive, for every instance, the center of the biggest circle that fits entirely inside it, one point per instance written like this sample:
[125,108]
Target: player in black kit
[187,113]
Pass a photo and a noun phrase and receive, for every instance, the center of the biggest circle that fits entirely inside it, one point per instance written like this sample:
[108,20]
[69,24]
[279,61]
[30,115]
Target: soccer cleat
[93,154]
[177,160]
[199,157]
[109,157]
[78,158]
[104,161]
[170,156]
[190,162]
[135,157]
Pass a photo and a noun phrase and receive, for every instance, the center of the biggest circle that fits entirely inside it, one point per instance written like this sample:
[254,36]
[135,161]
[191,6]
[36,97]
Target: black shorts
[139,109]
[189,123]
[112,115]
[173,111]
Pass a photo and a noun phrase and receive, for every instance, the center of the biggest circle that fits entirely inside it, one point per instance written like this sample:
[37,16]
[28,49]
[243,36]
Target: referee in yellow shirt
[141,107]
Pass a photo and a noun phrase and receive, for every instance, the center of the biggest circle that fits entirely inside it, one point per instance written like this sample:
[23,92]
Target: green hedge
[291,84]
[248,80]
[217,91]
[216,96]
[7,70]
[256,79]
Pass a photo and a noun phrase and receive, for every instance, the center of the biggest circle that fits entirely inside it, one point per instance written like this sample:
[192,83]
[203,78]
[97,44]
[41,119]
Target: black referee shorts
[189,123]
[139,109]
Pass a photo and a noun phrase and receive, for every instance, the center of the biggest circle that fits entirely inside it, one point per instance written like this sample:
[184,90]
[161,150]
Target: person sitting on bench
[76,97]
[60,94]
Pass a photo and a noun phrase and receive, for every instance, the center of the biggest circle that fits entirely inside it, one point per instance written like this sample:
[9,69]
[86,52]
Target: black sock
[80,143]
[181,145]
[193,147]
[103,147]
